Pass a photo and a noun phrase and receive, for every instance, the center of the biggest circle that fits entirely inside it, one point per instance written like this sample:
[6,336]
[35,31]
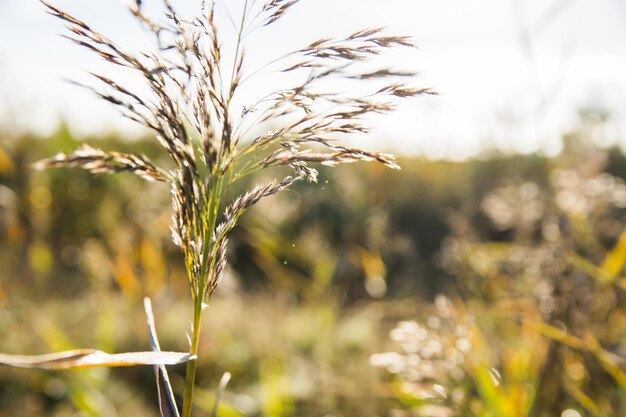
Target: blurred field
[529,251]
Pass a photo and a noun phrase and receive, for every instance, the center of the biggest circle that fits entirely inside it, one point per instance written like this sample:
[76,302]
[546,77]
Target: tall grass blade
[220,392]
[167,402]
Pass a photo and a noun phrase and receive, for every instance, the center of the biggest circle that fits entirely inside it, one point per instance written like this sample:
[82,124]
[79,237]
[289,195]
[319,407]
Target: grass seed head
[189,107]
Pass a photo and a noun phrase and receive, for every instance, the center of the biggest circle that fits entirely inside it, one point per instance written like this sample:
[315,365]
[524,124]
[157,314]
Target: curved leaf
[89,358]
[167,402]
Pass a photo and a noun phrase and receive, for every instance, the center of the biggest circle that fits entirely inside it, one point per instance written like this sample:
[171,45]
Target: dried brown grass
[190,109]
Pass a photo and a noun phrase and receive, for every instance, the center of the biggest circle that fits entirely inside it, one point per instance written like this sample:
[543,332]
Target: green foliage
[532,259]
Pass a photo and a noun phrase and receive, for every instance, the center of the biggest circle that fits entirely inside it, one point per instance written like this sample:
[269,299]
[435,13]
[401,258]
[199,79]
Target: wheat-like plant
[189,105]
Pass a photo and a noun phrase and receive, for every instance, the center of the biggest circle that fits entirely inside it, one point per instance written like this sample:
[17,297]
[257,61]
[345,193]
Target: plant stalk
[192,364]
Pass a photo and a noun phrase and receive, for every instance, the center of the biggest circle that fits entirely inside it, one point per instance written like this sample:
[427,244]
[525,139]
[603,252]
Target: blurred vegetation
[528,250]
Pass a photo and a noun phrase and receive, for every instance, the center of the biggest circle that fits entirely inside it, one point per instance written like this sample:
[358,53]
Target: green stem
[192,364]
[212,208]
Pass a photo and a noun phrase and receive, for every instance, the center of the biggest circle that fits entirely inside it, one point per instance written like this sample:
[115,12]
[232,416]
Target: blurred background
[486,278]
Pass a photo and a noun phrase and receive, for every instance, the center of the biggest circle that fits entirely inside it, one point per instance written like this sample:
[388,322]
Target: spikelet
[187,103]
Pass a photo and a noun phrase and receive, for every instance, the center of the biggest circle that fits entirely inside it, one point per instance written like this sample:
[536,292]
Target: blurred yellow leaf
[40,257]
[609,361]
[152,262]
[276,399]
[51,334]
[582,398]
[558,335]
[205,400]
[126,278]
[615,259]
[6,165]
[589,268]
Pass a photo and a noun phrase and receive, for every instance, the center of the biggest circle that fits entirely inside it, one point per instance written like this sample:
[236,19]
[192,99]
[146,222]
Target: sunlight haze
[531,65]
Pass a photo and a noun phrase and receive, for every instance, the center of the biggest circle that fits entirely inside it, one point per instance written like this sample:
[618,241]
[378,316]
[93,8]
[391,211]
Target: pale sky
[511,73]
